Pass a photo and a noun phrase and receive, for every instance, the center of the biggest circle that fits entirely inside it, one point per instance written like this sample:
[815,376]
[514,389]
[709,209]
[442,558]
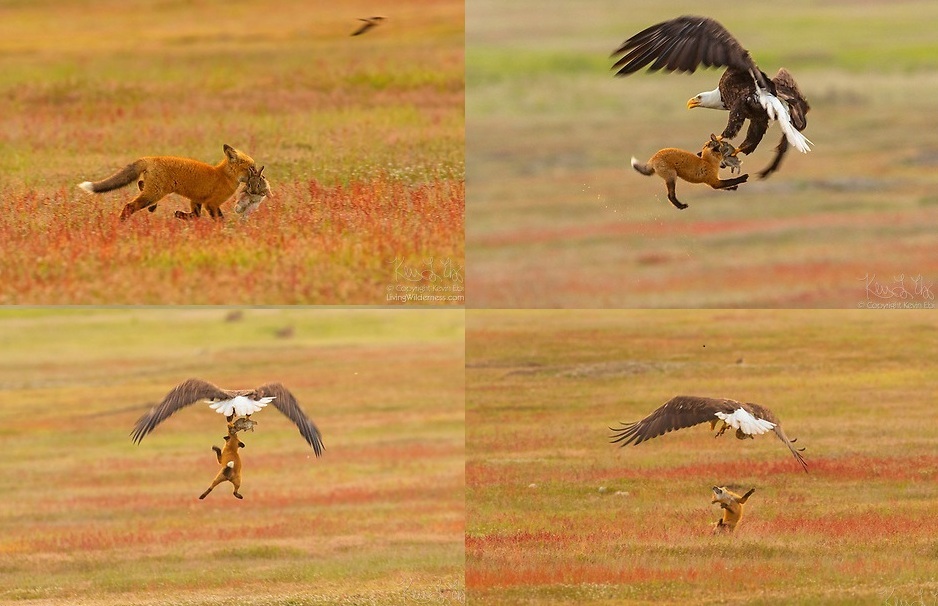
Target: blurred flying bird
[369,23]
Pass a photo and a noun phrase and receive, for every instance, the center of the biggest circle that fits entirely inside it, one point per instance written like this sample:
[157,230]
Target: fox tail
[642,168]
[124,176]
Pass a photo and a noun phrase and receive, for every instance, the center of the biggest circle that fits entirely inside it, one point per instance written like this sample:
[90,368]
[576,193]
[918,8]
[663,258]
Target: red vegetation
[306,245]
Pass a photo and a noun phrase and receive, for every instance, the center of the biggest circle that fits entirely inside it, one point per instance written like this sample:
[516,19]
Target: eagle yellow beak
[693,102]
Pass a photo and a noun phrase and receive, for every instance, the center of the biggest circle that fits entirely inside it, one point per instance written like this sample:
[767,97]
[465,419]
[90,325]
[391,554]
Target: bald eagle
[230,403]
[747,419]
[684,43]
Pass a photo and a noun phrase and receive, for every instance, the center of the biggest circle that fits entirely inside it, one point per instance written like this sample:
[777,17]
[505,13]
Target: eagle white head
[240,405]
[710,99]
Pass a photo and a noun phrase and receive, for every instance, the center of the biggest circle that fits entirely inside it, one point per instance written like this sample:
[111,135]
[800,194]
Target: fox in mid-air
[671,163]
[230,461]
[732,506]
[158,176]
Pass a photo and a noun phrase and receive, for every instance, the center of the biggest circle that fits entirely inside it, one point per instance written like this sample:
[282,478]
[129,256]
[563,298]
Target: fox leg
[215,213]
[217,453]
[672,196]
[218,480]
[143,200]
[731,183]
[237,485]
[194,214]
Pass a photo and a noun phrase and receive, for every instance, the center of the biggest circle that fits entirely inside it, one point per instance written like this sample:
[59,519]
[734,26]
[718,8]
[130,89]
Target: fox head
[239,163]
[728,498]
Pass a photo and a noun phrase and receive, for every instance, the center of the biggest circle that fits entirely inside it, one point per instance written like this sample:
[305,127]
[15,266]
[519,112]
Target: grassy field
[90,518]
[857,390]
[558,218]
[362,139]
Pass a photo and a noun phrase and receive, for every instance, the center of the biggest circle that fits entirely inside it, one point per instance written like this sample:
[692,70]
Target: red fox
[732,506]
[230,462]
[158,176]
[671,163]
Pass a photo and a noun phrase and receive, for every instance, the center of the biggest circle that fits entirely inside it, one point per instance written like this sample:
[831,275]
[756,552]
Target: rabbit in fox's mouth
[252,192]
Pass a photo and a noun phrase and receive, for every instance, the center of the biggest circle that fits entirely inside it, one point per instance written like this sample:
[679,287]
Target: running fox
[671,163]
[230,462]
[732,506]
[158,176]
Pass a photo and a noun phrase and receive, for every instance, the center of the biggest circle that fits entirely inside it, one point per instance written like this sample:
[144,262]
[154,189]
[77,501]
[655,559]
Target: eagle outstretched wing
[683,44]
[764,413]
[185,394]
[286,403]
[677,413]
[787,89]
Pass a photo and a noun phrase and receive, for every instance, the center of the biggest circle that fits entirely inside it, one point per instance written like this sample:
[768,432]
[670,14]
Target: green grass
[91,518]
[559,219]
[86,88]
[853,387]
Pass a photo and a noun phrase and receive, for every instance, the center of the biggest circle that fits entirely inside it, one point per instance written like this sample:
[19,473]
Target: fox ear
[230,152]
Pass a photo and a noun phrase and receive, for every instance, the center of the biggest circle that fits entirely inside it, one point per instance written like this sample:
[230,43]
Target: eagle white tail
[240,405]
[750,425]
[777,111]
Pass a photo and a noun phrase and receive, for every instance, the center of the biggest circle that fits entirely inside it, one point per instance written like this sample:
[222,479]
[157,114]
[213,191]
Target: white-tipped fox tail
[88,186]
[642,168]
